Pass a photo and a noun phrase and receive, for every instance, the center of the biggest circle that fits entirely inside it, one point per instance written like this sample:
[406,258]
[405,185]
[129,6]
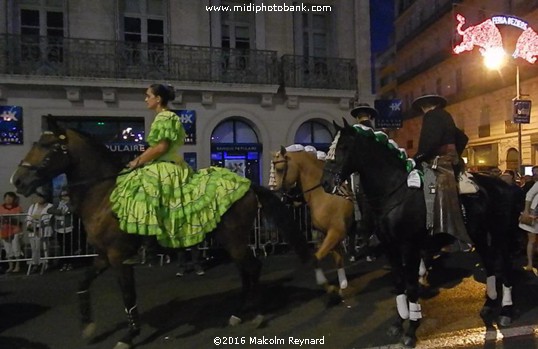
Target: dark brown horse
[91,174]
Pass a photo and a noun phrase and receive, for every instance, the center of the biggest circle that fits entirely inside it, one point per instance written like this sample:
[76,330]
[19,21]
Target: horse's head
[284,171]
[339,161]
[46,159]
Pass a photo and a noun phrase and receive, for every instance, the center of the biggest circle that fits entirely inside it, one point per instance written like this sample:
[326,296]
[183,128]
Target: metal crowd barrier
[59,241]
[48,235]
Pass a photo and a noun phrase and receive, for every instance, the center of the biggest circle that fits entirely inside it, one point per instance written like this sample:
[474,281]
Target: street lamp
[494,59]
[487,37]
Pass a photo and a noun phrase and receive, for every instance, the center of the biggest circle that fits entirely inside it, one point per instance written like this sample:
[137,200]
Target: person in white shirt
[39,229]
[530,211]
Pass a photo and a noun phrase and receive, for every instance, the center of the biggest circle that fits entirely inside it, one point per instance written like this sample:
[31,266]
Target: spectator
[39,229]
[63,227]
[529,183]
[182,261]
[530,212]
[495,172]
[10,229]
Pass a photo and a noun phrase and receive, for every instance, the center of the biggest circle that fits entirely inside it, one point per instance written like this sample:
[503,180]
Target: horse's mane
[308,155]
[382,139]
[96,146]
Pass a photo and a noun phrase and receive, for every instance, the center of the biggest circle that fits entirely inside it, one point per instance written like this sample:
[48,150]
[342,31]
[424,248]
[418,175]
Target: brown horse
[331,214]
[91,174]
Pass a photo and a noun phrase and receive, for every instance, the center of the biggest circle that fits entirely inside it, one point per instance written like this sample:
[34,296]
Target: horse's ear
[52,125]
[336,126]
[346,124]
[282,150]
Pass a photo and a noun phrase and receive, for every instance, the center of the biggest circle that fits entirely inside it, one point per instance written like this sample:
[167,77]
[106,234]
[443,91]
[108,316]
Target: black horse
[91,173]
[400,214]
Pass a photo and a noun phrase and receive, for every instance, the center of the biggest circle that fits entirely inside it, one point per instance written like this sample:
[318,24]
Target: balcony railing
[57,56]
[319,72]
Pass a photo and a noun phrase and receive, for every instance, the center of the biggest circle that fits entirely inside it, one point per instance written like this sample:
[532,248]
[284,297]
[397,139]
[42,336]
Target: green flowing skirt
[174,203]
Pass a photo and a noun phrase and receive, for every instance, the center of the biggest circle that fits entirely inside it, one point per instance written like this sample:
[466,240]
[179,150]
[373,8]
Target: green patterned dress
[166,198]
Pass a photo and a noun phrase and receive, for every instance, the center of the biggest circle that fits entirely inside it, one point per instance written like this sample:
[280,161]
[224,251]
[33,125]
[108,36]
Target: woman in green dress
[160,195]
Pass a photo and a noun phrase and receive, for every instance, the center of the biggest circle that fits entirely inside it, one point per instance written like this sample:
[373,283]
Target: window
[235,145]
[234,131]
[143,31]
[315,34]
[42,30]
[314,133]
[237,37]
[459,80]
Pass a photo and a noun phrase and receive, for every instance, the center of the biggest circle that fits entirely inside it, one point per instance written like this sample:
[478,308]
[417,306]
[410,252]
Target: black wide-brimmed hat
[364,108]
[431,99]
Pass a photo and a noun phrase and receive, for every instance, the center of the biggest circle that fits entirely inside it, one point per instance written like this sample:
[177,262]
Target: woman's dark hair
[166,92]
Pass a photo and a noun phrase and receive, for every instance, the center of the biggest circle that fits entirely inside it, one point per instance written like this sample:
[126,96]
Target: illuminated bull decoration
[485,35]
[488,38]
[527,46]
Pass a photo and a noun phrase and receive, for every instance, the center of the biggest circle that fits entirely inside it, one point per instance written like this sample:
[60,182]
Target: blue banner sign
[11,130]
[390,113]
[522,111]
[188,120]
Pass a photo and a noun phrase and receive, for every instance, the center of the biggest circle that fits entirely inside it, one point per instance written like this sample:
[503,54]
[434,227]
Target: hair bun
[171,92]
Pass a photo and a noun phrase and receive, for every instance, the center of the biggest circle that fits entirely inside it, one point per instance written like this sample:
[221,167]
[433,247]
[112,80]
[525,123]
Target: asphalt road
[41,311]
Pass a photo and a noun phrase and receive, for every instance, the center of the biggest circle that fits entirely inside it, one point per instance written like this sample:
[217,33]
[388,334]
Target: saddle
[466,186]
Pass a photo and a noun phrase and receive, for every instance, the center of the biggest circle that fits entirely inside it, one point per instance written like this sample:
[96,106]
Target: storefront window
[314,133]
[235,145]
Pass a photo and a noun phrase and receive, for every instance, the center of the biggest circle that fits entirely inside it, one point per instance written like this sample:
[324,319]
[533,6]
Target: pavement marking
[467,337]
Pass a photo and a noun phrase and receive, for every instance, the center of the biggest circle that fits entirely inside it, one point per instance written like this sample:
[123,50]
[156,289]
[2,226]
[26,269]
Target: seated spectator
[10,229]
[39,229]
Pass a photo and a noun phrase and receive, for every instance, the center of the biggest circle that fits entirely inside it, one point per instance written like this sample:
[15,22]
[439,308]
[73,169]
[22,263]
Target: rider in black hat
[364,114]
[440,145]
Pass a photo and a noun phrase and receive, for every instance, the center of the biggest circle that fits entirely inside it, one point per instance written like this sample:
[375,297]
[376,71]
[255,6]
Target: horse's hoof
[331,289]
[89,330]
[258,321]
[504,321]
[395,331]
[490,335]
[334,298]
[409,341]
[122,345]
[234,320]
[343,284]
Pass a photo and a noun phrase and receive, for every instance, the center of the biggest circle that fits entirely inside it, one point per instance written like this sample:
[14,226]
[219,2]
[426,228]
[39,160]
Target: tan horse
[331,214]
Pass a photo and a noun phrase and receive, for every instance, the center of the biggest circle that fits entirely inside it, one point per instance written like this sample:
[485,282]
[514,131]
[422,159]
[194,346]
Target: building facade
[480,99]
[248,77]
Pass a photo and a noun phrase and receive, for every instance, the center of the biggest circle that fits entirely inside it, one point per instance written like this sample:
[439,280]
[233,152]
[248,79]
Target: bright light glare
[494,58]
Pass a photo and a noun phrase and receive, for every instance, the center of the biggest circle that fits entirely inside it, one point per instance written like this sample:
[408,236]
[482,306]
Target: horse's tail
[279,213]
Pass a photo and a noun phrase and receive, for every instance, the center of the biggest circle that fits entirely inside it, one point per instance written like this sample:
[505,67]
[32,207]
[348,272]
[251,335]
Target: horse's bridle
[60,146]
[286,193]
